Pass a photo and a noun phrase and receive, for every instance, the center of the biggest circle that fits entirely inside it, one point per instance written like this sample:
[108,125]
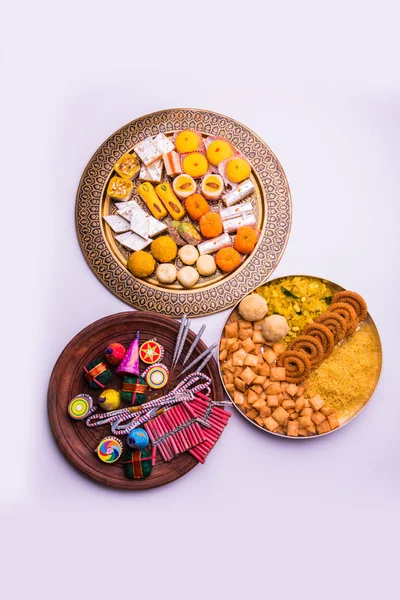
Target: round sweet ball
[137,439]
[188,254]
[141,264]
[188,277]
[206,265]
[166,273]
[275,328]
[253,308]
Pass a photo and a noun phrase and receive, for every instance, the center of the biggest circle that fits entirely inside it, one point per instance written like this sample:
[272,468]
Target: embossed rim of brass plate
[273,189]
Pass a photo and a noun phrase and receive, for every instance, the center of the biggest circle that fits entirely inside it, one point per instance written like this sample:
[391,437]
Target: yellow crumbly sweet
[237,170]
[299,299]
[347,377]
[218,151]
[141,264]
[164,249]
[187,141]
[195,164]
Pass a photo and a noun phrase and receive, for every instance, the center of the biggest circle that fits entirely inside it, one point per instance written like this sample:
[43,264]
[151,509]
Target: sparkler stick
[199,358]
[194,344]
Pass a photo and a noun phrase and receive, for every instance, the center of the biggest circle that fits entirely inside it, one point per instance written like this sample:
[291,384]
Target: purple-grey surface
[264,517]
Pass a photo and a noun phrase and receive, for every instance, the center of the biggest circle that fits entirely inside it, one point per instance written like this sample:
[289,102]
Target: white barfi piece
[133,241]
[164,143]
[147,151]
[211,246]
[156,226]
[153,173]
[140,222]
[118,224]
[236,211]
[232,225]
[128,204]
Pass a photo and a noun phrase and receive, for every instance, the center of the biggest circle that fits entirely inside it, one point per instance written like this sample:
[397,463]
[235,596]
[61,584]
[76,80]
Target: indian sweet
[212,186]
[141,264]
[176,178]
[184,186]
[166,273]
[188,277]
[196,206]
[187,141]
[206,265]
[195,164]
[166,194]
[188,254]
[237,170]
[164,249]
[218,150]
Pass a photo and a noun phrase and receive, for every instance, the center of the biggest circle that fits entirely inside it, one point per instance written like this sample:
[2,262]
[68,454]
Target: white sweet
[132,241]
[118,224]
[188,277]
[206,265]
[188,254]
[155,226]
[166,273]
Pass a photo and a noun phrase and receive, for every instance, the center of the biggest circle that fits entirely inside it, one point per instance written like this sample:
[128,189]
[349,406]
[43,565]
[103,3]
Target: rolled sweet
[211,246]
[238,193]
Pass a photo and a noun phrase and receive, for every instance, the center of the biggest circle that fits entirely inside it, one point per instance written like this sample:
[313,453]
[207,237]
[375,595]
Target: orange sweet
[245,240]
[211,225]
[196,206]
[195,164]
[228,259]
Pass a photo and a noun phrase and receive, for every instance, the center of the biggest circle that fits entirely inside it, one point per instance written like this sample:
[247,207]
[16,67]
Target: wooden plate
[78,442]
[108,259]
[362,401]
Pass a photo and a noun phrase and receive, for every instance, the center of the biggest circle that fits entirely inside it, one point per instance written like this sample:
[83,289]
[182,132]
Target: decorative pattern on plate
[272,203]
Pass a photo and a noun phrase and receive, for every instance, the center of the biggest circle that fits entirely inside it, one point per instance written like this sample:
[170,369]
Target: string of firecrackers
[118,420]
[178,429]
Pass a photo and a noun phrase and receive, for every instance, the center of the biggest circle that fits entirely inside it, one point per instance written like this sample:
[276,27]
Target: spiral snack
[347,311]
[336,323]
[323,334]
[311,346]
[356,301]
[297,365]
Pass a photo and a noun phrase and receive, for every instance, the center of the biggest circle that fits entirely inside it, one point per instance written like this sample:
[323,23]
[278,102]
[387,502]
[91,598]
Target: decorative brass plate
[107,259]
[362,401]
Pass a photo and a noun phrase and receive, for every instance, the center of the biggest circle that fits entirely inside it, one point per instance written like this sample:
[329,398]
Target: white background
[264,517]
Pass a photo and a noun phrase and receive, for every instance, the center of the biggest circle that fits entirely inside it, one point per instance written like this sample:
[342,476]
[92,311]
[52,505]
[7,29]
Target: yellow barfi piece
[147,192]
[170,201]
